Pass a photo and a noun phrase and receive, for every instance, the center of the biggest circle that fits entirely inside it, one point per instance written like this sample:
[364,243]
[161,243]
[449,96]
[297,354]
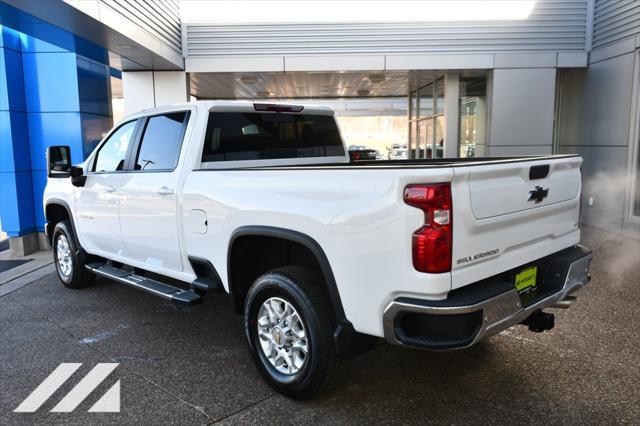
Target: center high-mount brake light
[278,107]
[432,243]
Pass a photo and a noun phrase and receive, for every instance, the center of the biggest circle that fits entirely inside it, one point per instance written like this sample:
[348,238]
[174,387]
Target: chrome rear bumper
[488,316]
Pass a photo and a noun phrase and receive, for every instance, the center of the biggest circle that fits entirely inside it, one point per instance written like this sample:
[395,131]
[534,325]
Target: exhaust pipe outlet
[565,303]
[539,321]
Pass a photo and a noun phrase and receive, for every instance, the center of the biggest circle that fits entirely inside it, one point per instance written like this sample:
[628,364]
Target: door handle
[110,188]
[165,191]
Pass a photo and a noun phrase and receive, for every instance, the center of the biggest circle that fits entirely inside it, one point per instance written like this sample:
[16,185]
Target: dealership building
[490,79]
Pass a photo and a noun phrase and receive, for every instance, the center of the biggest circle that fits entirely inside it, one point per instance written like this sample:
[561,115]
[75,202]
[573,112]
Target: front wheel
[70,268]
[289,324]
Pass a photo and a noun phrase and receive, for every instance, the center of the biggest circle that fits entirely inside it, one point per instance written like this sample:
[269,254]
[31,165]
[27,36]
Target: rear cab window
[243,136]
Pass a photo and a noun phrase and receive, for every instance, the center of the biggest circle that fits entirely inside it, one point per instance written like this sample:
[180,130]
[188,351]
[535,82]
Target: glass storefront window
[440,96]
[425,130]
[412,141]
[439,142]
[426,101]
[427,126]
[413,106]
[472,106]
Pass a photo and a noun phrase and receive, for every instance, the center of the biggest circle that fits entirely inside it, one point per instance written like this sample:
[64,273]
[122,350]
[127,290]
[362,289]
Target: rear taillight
[432,243]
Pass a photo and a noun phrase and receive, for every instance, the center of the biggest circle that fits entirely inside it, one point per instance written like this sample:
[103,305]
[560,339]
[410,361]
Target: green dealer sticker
[526,280]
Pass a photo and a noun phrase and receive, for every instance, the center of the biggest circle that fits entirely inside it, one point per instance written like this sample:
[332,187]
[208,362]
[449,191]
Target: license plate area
[529,284]
[526,280]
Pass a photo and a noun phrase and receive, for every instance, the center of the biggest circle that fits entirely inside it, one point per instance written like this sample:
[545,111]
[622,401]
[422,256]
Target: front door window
[111,156]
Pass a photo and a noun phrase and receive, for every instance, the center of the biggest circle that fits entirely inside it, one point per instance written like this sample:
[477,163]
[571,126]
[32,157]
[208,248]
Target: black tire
[302,288]
[78,276]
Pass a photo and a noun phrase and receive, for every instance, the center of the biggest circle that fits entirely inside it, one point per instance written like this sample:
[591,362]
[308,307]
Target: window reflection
[161,142]
[472,107]
[426,101]
[112,154]
[426,134]
[439,142]
[440,96]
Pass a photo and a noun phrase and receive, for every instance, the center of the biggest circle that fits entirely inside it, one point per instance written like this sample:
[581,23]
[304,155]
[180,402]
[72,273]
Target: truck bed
[416,163]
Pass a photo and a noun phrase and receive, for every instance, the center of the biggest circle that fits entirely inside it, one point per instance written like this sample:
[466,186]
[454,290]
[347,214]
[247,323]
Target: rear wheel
[289,324]
[70,268]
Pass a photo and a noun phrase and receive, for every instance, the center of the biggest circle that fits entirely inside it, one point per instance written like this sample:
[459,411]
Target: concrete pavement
[191,365]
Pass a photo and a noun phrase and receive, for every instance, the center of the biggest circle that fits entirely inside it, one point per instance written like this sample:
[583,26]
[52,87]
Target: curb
[28,278]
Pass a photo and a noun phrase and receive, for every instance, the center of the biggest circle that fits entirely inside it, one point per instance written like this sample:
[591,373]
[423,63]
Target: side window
[112,153]
[161,142]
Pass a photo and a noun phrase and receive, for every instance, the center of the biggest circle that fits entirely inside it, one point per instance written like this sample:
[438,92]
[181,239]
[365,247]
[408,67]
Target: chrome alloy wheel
[282,336]
[63,251]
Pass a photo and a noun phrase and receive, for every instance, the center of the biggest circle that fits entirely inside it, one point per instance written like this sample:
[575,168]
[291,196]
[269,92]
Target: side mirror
[58,161]
[77,176]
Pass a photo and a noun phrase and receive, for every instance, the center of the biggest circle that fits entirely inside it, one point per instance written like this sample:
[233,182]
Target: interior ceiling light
[248,79]
[263,94]
[280,11]
[377,78]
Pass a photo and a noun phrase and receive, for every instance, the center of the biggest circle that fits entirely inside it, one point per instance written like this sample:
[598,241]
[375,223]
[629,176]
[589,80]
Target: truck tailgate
[509,214]
[497,191]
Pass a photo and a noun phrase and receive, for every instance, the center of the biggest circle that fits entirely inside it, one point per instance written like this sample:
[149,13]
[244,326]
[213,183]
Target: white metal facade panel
[572,59]
[170,87]
[528,60]
[440,61]
[160,18]
[557,25]
[615,20]
[224,64]
[334,63]
[595,113]
[138,87]
[522,107]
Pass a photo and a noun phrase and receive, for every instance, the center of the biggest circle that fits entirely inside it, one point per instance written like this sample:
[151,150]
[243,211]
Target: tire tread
[81,276]
[309,283]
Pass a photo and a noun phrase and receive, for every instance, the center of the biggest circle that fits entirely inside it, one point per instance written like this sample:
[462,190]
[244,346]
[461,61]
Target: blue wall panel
[10,39]
[93,86]
[40,37]
[16,185]
[39,178]
[50,82]
[54,90]
[16,205]
[54,128]
[11,81]
[91,51]
[14,142]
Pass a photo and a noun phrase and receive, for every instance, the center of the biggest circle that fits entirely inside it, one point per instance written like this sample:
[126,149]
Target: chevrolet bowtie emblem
[538,194]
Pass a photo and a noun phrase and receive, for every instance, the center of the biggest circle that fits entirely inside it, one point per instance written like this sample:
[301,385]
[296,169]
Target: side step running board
[157,288]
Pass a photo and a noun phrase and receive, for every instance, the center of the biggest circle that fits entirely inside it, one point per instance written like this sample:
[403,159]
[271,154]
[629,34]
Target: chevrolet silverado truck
[325,258]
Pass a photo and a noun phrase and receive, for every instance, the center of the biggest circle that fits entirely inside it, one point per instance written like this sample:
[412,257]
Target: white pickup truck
[323,256]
